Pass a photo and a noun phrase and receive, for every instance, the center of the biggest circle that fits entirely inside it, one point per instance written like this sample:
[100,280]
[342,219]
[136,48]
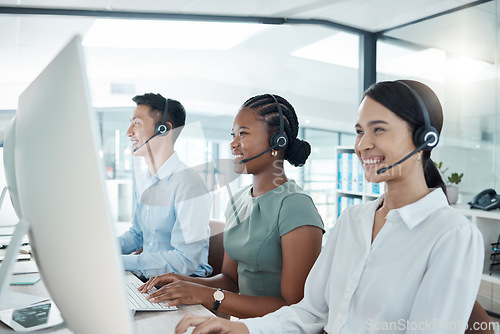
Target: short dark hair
[176,112]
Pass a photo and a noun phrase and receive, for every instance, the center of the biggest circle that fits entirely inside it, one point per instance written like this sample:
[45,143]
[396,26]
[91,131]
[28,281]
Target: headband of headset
[426,136]
[279,140]
[162,128]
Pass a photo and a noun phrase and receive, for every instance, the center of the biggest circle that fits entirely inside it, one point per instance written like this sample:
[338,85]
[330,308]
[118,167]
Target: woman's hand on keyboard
[184,293]
[158,281]
[210,325]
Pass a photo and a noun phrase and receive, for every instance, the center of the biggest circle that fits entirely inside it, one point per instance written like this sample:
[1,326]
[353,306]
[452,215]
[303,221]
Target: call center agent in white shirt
[405,263]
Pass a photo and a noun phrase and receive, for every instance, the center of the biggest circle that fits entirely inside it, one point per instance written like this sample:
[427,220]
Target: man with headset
[169,231]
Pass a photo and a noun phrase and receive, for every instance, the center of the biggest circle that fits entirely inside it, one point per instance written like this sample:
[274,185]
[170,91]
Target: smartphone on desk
[32,317]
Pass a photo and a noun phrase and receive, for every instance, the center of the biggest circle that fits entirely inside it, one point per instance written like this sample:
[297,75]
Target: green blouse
[254,227]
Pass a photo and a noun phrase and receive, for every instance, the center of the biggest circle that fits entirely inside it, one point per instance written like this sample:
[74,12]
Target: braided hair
[297,150]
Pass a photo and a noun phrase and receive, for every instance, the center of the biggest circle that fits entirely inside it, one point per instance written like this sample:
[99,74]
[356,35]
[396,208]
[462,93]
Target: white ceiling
[371,15]
[28,42]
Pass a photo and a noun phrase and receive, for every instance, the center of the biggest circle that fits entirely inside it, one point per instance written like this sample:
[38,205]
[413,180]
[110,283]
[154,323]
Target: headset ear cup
[162,129]
[279,141]
[426,133]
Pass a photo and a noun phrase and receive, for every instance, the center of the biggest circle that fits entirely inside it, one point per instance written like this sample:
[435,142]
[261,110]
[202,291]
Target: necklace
[387,210]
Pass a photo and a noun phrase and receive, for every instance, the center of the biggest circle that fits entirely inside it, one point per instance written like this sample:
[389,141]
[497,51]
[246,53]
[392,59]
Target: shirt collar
[165,171]
[415,213]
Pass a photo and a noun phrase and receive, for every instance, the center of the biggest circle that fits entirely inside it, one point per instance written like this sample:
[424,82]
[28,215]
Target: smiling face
[142,127]
[382,139]
[250,137]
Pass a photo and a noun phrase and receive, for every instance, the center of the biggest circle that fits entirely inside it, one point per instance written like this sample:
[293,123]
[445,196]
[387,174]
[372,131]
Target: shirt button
[389,224]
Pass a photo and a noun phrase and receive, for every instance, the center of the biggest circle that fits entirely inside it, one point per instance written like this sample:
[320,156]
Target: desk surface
[145,322]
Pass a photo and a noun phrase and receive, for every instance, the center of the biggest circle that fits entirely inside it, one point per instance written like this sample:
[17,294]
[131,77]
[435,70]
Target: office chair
[216,247]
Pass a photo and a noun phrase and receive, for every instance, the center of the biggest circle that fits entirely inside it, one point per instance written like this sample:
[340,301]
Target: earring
[419,156]
[274,152]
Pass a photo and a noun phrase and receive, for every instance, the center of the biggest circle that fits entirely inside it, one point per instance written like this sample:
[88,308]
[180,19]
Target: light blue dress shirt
[170,223]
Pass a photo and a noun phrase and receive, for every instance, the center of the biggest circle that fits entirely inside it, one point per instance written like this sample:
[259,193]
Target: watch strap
[217,302]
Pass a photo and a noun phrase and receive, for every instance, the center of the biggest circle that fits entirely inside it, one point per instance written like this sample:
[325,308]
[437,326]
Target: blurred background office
[213,55]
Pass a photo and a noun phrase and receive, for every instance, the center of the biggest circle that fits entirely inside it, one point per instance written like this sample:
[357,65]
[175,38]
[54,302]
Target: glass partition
[211,68]
[213,83]
[458,61]
[315,67]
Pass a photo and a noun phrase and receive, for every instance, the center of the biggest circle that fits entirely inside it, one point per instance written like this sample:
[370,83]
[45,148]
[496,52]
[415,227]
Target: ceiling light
[340,49]
[113,33]
[427,64]
[431,64]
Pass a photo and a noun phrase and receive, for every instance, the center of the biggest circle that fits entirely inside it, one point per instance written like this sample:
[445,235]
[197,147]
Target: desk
[488,222]
[145,322]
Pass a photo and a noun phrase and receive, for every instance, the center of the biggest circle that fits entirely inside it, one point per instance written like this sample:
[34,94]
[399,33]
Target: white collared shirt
[421,274]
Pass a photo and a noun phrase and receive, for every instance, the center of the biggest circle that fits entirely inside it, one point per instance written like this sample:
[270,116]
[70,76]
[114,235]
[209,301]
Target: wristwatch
[218,296]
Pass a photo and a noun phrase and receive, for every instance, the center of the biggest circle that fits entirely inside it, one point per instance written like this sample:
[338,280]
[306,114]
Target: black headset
[279,140]
[163,128]
[426,136]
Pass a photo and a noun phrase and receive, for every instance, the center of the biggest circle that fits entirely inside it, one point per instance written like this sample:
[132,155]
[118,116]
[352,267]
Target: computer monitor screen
[61,191]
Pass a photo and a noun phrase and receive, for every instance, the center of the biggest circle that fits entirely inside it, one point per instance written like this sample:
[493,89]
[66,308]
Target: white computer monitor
[62,196]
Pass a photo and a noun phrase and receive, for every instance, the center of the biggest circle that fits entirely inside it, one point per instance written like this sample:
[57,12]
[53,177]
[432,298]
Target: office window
[213,84]
[314,67]
[319,176]
[459,65]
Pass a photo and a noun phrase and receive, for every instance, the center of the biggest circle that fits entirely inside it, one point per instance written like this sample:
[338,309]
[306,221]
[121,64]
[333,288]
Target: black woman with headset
[404,263]
[273,232]
[169,231]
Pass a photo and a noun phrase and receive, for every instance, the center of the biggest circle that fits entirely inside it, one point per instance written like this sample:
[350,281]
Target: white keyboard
[138,302]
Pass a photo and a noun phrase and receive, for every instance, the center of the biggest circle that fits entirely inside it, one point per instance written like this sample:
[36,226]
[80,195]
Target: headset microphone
[258,155]
[425,137]
[147,141]
[382,170]
[161,128]
[279,140]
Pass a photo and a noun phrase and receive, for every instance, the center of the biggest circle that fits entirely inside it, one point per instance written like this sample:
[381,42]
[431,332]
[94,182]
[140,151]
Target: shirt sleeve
[132,240]
[310,315]
[298,210]
[447,303]
[189,242]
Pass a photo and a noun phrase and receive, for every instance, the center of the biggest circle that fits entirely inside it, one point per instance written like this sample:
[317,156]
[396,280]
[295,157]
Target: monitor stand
[10,299]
